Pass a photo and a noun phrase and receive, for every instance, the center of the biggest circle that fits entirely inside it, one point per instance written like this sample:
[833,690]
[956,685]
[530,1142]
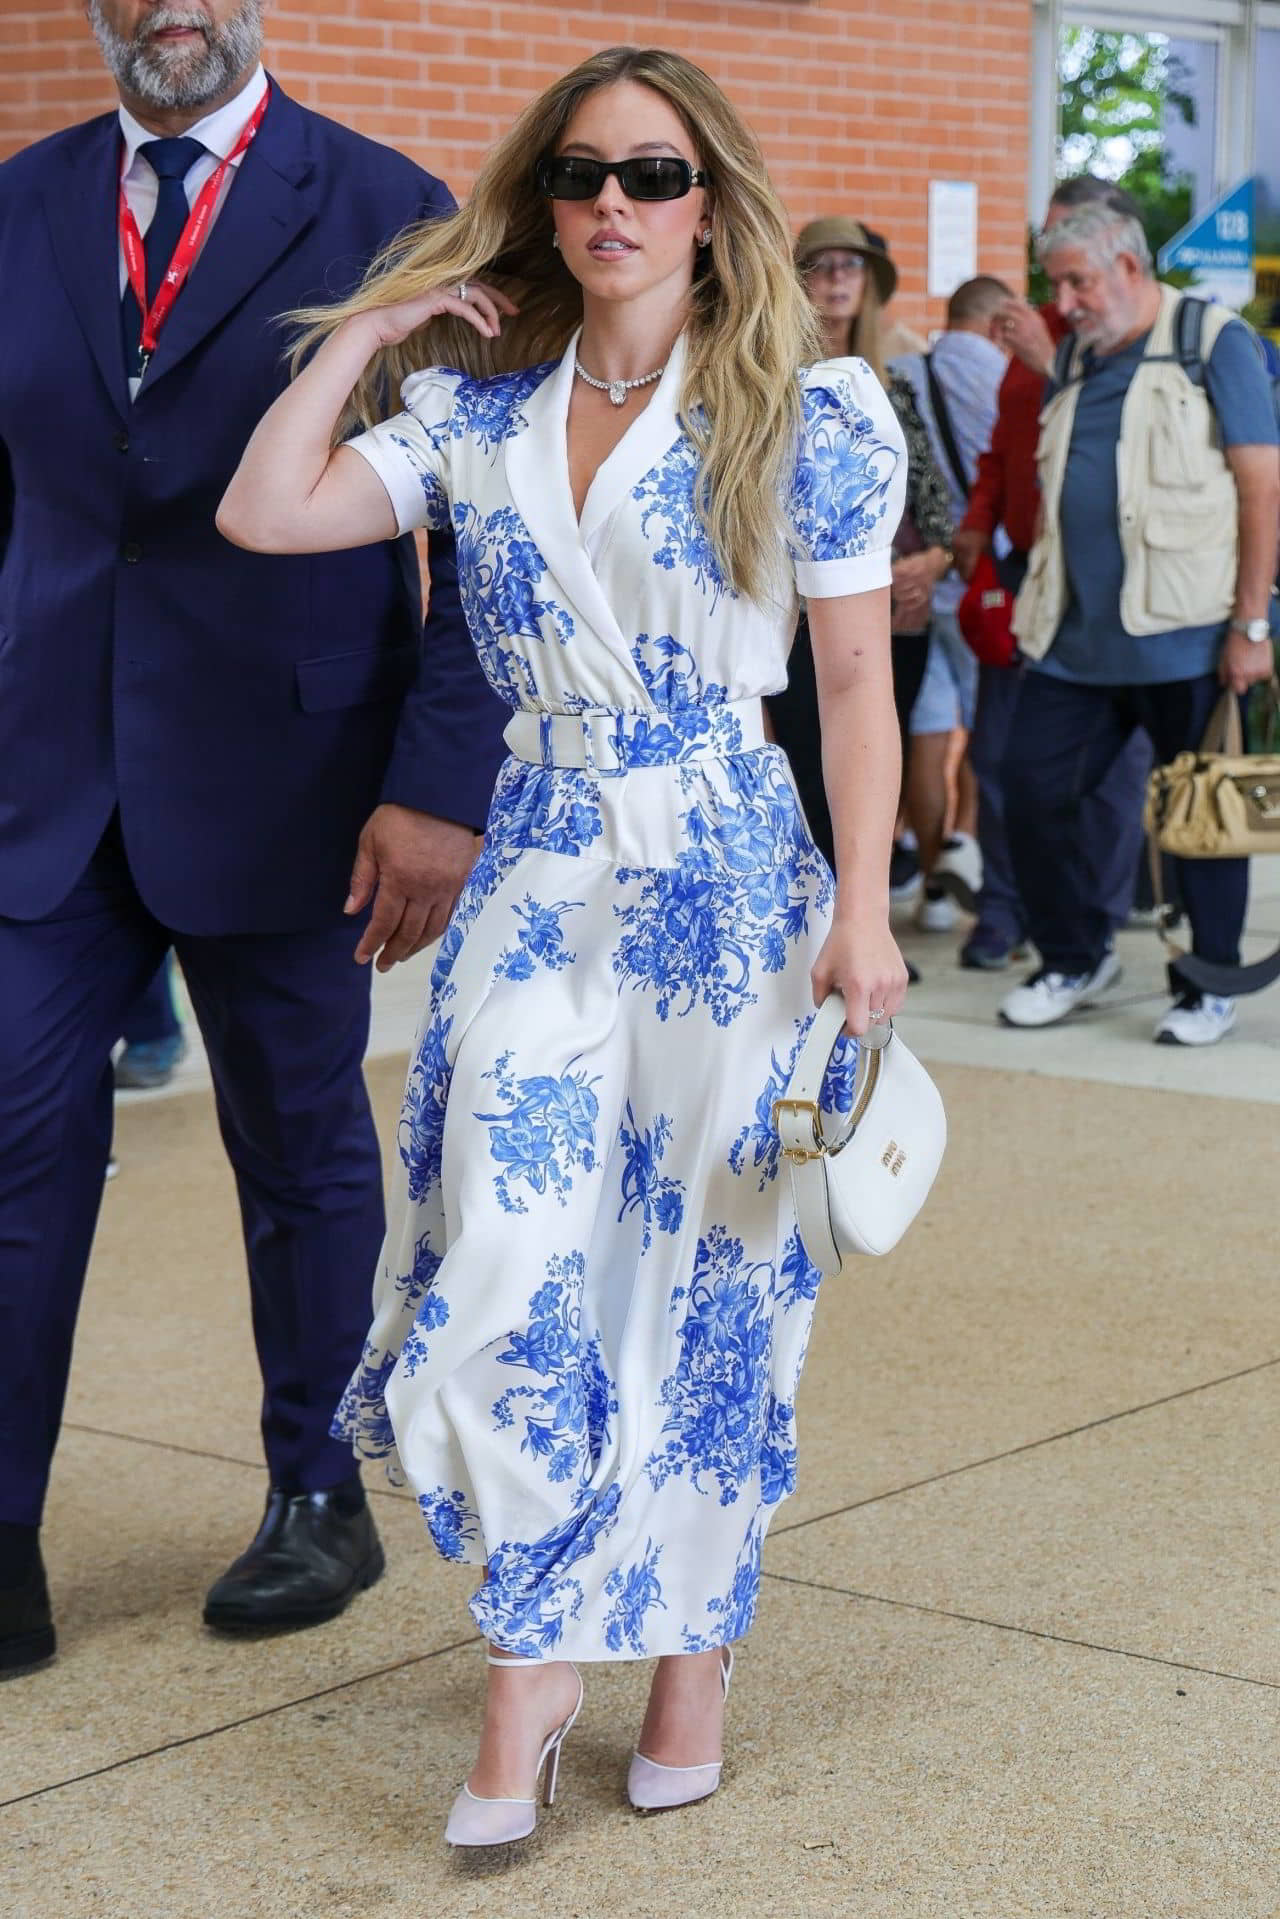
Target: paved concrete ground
[1017,1649]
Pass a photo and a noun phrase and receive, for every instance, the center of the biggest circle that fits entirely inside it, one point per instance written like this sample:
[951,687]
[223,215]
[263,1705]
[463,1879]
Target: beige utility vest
[1177,516]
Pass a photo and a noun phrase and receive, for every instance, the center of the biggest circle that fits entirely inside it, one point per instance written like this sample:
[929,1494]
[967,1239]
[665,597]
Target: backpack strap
[946,432]
[1062,363]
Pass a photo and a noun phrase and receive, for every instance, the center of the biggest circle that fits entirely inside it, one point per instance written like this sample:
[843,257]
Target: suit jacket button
[122,441]
[132,552]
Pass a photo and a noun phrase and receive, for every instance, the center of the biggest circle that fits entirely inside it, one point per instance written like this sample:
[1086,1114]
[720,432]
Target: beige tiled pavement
[1017,1650]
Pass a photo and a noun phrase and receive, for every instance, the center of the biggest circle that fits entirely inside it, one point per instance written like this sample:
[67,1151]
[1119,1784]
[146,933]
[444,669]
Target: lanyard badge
[189,244]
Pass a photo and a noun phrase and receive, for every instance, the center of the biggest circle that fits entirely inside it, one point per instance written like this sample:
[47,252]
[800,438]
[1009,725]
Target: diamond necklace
[616,389]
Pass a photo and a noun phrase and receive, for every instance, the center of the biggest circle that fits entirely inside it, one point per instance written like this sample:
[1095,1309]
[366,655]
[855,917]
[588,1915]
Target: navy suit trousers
[1064,741]
[285,1020]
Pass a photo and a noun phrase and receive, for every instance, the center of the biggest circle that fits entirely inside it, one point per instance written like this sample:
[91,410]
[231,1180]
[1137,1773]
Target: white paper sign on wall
[953,235]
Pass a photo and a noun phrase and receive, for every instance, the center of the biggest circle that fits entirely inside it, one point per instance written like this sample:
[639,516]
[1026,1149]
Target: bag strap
[797,1119]
[1224,732]
[946,432]
[1062,362]
[797,1116]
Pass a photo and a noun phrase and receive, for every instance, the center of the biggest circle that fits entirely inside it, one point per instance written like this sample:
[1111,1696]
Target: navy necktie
[171,161]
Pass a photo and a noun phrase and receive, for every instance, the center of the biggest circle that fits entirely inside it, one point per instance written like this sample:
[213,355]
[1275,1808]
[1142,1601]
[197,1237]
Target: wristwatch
[1255,630]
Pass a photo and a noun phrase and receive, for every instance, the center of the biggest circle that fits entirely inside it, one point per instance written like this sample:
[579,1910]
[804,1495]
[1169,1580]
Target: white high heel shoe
[652,1787]
[475,1821]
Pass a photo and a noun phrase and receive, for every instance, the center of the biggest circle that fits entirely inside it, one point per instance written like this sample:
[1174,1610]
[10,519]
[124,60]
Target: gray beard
[178,77]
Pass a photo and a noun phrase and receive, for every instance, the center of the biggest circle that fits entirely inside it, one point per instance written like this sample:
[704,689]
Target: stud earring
[555,241]
[704,239]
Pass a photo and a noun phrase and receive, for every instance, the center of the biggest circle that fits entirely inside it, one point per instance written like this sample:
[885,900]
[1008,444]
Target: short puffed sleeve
[849,483]
[412,452]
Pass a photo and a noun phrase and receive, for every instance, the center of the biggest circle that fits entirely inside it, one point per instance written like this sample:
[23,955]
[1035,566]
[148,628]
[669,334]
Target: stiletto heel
[477,1821]
[653,1787]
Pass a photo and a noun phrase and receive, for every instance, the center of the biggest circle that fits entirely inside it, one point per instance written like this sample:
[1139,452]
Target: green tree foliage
[1117,93]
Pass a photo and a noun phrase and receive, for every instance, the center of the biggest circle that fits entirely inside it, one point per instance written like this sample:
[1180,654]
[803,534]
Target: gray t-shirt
[1091,645]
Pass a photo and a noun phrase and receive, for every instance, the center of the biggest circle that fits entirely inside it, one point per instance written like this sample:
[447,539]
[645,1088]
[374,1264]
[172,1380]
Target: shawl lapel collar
[646,442]
[537,467]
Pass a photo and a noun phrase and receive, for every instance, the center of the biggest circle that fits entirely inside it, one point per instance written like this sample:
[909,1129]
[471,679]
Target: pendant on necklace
[618,392]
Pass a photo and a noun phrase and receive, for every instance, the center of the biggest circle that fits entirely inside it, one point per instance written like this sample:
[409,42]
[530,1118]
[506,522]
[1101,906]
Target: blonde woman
[593,1304]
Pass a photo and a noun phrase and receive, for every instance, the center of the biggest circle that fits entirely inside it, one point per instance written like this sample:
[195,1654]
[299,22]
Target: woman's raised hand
[480,305]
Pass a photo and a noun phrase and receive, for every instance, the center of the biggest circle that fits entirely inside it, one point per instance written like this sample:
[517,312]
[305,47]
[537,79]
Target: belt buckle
[801,1155]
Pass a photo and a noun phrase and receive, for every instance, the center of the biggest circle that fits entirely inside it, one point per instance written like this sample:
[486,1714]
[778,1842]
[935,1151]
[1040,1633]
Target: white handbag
[859,1194]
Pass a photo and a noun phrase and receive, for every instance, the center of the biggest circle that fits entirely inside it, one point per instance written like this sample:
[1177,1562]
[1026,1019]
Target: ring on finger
[463,290]
[876,1014]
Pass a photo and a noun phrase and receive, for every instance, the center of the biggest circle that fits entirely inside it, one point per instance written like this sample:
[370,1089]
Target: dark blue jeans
[1064,741]
[1110,818]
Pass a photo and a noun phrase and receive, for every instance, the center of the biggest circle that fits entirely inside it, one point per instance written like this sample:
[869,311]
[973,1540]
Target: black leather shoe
[306,1565]
[27,1637]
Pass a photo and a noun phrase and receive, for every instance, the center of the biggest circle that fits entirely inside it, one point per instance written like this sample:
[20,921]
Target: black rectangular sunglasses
[651,176]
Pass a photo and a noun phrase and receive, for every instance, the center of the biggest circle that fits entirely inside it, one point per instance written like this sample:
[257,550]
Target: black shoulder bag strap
[946,432]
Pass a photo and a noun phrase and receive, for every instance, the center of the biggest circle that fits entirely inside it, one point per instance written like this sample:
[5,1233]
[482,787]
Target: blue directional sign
[1218,241]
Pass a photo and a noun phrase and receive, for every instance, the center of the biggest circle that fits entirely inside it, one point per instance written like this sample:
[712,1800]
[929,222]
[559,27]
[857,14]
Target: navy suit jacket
[245,712]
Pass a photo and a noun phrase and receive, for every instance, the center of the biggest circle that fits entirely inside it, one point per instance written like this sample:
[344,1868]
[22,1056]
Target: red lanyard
[188,247]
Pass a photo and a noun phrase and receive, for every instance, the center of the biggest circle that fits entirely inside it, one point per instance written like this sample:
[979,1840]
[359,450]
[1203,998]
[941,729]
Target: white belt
[619,740]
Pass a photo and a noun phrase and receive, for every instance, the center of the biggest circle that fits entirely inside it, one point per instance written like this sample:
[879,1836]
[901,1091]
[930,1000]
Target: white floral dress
[592,1306]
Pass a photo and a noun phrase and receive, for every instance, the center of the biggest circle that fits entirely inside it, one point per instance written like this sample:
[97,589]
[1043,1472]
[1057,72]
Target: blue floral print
[362,1418]
[487,412]
[539,811]
[716,1398]
[733,1611]
[635,1591]
[667,495]
[844,474]
[433,1313]
[540,940]
[421,1135]
[659,1199]
[740,896]
[567,1424]
[530,1595]
[452,1525]
[801,1278]
[547,1131]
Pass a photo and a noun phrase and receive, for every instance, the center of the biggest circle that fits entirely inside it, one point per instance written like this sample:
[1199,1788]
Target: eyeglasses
[827,266]
[571,176]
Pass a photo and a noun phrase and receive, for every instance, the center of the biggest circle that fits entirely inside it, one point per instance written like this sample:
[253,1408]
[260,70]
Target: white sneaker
[1196,1019]
[1048,997]
[935,915]
[959,870]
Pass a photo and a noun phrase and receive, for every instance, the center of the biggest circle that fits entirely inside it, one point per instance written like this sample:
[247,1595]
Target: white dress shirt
[218,132]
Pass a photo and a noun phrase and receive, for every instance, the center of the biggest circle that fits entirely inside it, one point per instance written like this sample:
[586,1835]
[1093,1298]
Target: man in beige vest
[1147,592]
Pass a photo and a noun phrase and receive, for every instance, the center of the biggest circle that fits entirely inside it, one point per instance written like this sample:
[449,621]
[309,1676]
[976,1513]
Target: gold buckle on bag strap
[801,1155]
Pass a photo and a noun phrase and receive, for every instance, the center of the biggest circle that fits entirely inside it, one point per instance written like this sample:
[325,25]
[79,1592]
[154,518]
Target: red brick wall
[858,103]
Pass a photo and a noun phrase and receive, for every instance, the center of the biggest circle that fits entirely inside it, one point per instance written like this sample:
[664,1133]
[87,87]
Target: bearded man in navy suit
[205,748]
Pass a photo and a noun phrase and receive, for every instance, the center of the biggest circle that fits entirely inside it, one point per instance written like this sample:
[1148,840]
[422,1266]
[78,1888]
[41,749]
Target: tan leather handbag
[1218,803]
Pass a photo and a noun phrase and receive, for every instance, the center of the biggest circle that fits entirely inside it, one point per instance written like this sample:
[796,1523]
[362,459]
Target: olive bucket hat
[835,230]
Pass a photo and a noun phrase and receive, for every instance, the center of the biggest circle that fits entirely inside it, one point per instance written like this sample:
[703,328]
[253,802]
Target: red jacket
[1006,492]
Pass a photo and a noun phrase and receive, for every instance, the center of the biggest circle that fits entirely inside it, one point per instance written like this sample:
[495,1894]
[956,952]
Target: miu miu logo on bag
[893,1158]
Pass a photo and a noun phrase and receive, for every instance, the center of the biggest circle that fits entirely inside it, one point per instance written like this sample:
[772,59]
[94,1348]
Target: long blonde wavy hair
[750,324]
